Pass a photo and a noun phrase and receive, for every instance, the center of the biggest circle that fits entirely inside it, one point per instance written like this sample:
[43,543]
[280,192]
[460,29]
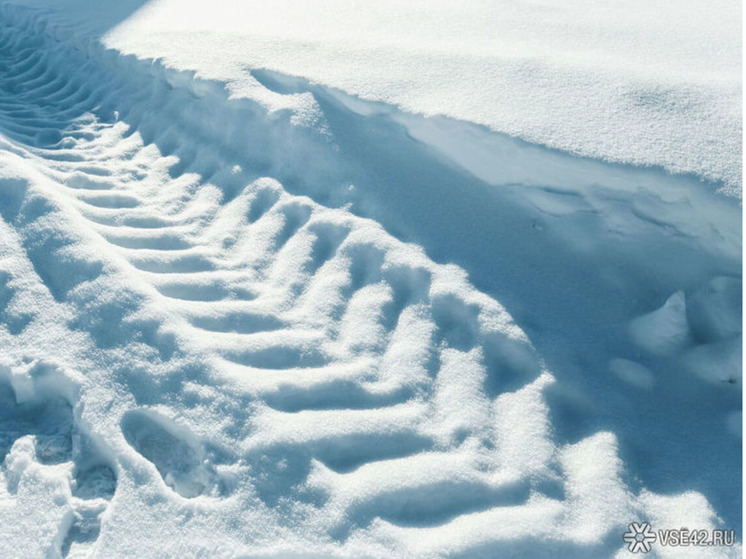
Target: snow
[648,83]
[275,282]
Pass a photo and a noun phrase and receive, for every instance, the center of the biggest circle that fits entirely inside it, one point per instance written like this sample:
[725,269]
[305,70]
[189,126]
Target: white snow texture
[286,279]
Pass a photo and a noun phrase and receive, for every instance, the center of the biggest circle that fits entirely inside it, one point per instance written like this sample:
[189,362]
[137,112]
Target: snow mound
[647,83]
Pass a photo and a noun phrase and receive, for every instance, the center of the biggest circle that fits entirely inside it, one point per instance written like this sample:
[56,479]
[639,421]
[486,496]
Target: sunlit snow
[384,279]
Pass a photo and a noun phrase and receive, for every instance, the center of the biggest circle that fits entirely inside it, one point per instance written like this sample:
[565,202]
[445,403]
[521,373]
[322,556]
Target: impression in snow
[293,322]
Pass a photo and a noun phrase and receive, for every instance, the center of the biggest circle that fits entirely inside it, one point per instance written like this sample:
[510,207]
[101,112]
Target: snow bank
[647,83]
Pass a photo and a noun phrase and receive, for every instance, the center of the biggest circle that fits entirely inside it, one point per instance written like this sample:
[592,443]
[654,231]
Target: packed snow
[287,279]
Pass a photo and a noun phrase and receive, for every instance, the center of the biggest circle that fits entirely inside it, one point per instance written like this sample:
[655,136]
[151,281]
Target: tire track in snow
[359,376]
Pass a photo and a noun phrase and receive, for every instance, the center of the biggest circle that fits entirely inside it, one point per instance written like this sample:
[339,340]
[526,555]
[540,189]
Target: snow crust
[244,314]
[647,83]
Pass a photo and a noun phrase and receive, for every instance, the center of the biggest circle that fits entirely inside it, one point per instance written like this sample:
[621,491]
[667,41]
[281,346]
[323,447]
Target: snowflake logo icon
[639,537]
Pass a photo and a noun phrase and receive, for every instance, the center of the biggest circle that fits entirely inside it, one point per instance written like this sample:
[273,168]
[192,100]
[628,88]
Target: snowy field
[369,279]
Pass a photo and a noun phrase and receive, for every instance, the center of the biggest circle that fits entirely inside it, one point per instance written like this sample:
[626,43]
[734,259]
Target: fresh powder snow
[369,279]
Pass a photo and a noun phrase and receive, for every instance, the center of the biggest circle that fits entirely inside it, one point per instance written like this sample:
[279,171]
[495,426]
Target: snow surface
[245,312]
[643,82]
